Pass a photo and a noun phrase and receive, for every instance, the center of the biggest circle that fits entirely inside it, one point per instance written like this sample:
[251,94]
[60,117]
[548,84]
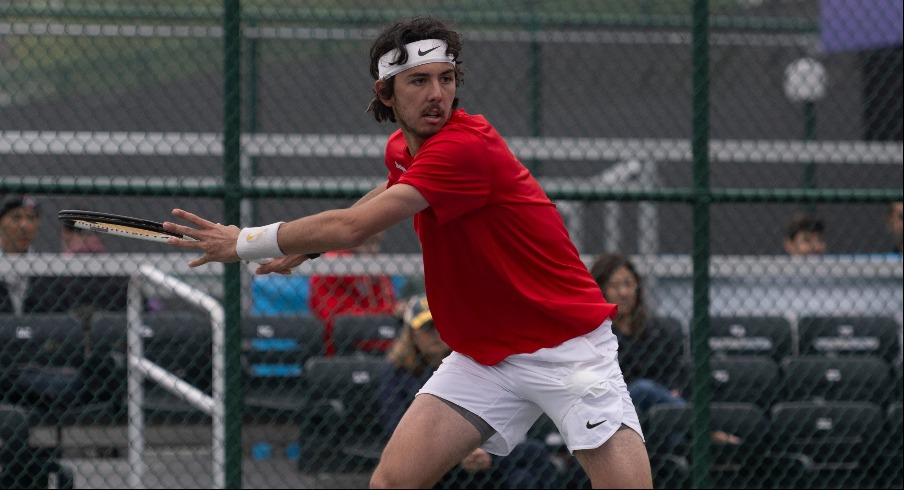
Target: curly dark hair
[397,36]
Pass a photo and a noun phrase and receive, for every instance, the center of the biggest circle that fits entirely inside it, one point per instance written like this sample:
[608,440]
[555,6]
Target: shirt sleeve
[451,173]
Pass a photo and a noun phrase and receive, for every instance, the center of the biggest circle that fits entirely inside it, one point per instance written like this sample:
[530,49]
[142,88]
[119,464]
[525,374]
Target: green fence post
[232,132]
[252,77]
[536,83]
[700,397]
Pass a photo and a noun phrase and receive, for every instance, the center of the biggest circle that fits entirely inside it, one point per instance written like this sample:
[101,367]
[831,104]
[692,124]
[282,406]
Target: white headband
[419,53]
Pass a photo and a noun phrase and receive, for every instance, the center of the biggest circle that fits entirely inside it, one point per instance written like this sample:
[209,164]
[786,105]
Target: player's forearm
[329,230]
[341,229]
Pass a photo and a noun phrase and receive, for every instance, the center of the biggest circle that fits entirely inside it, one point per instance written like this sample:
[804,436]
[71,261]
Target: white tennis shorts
[578,384]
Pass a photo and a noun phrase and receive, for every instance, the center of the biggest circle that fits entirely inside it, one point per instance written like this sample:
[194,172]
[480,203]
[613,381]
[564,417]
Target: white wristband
[259,243]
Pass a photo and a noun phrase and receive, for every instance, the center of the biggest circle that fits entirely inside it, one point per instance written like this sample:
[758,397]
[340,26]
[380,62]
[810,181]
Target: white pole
[137,464]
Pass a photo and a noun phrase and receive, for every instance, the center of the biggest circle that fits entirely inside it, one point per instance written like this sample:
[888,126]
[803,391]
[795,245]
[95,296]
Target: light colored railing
[140,368]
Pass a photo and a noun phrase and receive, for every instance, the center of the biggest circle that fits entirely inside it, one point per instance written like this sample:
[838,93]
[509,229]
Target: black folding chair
[847,378]
[22,466]
[850,335]
[750,335]
[350,385]
[750,379]
[366,334]
[825,444]
[274,351]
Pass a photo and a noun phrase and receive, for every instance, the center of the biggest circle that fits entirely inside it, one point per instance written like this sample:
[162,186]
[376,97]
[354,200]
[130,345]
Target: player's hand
[215,240]
[281,265]
[478,460]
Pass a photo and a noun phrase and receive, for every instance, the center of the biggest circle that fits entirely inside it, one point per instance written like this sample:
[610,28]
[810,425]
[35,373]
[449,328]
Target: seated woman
[651,356]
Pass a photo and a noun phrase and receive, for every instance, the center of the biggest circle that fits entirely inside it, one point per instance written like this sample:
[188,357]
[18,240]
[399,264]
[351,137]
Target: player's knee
[382,478]
[377,480]
[385,479]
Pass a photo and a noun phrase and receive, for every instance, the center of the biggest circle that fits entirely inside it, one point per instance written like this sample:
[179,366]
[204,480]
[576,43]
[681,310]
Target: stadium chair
[108,342]
[6,304]
[180,343]
[274,350]
[60,294]
[848,378]
[22,466]
[44,358]
[666,429]
[177,341]
[51,366]
[893,459]
[353,433]
[10,357]
[274,294]
[749,379]
[898,373]
[850,335]
[367,334]
[825,444]
[740,464]
[750,336]
[53,341]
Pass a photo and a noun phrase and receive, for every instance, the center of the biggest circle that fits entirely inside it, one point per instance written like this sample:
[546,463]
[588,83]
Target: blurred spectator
[894,223]
[650,355]
[416,352]
[414,355]
[332,295]
[77,240]
[19,220]
[804,235]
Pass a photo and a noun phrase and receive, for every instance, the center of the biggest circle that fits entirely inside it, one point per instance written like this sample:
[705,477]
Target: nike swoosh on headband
[419,53]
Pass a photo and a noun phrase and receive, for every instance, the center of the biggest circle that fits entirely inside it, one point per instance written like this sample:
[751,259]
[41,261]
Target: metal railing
[140,368]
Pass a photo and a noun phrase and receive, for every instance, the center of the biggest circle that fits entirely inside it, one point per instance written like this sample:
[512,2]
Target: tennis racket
[124,226]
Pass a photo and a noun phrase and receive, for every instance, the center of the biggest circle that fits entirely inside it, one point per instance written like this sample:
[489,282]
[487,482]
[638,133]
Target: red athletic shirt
[501,272]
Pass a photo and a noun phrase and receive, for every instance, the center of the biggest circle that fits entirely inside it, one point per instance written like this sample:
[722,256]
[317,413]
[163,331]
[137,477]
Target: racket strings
[102,227]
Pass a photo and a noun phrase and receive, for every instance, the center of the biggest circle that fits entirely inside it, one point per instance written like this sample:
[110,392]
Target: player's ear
[379,89]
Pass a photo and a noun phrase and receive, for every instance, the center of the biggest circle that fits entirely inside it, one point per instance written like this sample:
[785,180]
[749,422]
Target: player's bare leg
[430,440]
[622,462]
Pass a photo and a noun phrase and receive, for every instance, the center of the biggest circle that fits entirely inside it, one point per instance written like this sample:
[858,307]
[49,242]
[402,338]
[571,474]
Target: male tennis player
[530,329]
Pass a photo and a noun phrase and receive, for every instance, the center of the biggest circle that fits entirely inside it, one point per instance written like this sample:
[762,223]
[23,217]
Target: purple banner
[857,25]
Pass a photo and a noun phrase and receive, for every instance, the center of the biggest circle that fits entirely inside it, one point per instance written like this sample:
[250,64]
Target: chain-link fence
[687,135]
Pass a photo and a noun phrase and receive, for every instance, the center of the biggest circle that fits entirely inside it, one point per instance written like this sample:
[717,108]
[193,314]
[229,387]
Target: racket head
[114,224]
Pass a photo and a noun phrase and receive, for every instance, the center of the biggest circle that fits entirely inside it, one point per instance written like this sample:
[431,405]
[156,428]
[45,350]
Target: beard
[408,128]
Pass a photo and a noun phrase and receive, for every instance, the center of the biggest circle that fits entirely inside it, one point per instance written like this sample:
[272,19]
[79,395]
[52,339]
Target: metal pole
[232,132]
[648,212]
[249,162]
[536,85]
[809,134]
[135,350]
[700,352]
